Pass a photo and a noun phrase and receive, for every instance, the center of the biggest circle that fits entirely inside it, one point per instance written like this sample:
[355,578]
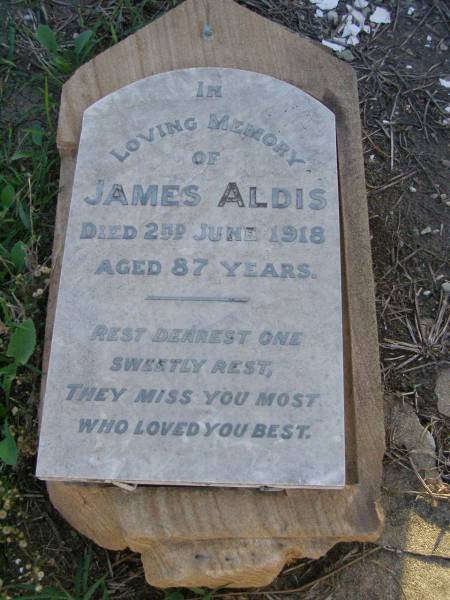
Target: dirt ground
[405,112]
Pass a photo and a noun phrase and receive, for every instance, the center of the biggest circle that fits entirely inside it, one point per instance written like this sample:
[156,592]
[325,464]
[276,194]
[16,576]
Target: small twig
[394,181]
[425,485]
[421,22]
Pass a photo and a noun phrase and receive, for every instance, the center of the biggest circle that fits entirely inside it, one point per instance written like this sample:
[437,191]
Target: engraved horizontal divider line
[201,298]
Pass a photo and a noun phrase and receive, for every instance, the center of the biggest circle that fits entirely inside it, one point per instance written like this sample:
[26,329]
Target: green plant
[204,594]
[61,58]
[21,346]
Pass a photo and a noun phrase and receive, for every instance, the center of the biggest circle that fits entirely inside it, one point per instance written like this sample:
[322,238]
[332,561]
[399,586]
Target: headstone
[300,340]
[198,328]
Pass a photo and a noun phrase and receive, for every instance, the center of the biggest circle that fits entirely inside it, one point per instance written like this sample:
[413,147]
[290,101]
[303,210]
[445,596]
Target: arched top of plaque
[210,83]
[264,112]
[173,121]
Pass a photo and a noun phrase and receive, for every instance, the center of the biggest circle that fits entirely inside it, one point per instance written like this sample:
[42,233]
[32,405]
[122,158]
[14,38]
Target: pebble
[325,4]
[333,46]
[333,17]
[381,16]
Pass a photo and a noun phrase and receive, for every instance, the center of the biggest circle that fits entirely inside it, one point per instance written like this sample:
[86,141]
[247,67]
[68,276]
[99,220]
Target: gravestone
[214,324]
[198,333]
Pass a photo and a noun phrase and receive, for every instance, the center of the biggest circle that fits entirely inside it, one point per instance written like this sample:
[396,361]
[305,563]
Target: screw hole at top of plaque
[207,31]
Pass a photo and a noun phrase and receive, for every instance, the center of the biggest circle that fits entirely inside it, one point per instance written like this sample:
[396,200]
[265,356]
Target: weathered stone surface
[407,432]
[442,390]
[197,335]
[414,522]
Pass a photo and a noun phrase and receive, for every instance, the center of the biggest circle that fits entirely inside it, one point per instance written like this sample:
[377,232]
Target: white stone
[333,46]
[351,30]
[128,304]
[380,15]
[325,4]
[353,40]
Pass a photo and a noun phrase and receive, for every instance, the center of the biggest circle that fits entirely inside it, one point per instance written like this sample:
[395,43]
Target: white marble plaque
[198,328]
